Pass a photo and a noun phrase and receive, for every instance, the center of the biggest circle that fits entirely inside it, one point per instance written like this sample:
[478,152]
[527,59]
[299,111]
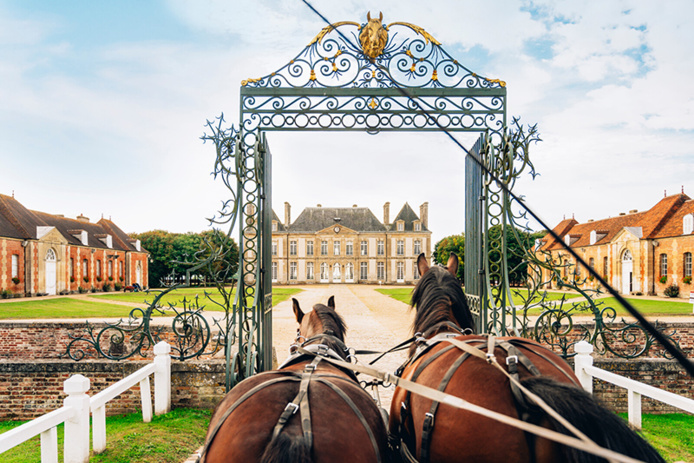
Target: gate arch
[343,81]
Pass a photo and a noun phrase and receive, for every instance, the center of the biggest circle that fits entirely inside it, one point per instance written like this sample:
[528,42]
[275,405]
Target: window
[337,272]
[309,270]
[566,268]
[309,248]
[381,271]
[292,248]
[416,271]
[604,267]
[120,269]
[274,271]
[577,269]
[591,262]
[401,248]
[663,265]
[688,264]
[71,267]
[417,247]
[15,266]
[85,268]
[349,248]
[401,226]
[274,226]
[110,269]
[364,248]
[363,272]
[292,270]
[323,248]
[324,271]
[98,268]
[380,248]
[274,248]
[401,271]
[417,226]
[688,224]
[349,271]
[336,248]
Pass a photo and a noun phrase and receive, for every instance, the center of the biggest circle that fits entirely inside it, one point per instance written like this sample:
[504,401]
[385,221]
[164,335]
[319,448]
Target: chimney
[424,214]
[82,218]
[386,214]
[287,214]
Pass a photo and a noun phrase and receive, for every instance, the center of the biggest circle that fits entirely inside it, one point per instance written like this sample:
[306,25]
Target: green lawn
[651,307]
[405,294]
[97,306]
[169,438]
[670,434]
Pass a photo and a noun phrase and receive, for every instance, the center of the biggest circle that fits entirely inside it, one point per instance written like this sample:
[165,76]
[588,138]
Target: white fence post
[146,400]
[49,445]
[99,429]
[582,359]
[162,378]
[634,408]
[77,427]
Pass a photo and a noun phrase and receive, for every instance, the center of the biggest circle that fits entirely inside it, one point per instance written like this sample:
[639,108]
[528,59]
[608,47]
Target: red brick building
[44,253]
[638,252]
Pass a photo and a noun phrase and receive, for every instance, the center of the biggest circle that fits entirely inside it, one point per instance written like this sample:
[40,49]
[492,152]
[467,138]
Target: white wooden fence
[586,372]
[77,406]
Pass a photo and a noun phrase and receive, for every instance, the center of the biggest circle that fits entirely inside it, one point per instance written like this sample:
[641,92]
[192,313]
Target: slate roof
[280,225]
[408,216]
[663,219]
[314,219]
[16,221]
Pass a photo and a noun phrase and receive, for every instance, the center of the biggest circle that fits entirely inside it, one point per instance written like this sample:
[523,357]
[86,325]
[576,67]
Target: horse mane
[331,320]
[438,294]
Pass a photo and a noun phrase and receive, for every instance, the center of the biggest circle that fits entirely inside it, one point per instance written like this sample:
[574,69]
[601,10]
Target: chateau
[349,245]
[48,254]
[639,252]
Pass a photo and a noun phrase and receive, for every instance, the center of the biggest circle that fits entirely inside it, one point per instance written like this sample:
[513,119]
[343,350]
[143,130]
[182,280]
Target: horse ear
[331,302]
[452,264]
[297,310]
[368,16]
[381,16]
[422,264]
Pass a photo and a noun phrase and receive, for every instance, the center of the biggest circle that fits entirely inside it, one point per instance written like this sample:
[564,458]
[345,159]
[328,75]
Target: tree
[443,249]
[177,252]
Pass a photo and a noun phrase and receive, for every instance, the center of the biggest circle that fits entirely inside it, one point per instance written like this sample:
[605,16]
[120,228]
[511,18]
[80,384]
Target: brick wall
[29,389]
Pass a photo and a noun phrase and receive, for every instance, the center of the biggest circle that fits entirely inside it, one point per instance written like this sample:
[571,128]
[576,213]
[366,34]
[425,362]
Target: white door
[138,274]
[51,282]
[337,273]
[627,272]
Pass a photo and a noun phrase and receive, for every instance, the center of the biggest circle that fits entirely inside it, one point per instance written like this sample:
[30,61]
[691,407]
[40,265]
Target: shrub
[81,290]
[117,286]
[5,294]
[663,279]
[107,287]
[687,280]
[93,289]
[15,280]
[672,291]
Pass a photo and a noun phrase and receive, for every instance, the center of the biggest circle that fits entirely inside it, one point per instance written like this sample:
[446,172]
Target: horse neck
[435,319]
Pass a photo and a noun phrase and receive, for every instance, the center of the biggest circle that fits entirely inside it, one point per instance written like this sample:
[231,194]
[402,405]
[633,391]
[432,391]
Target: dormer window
[417,226]
[688,224]
[80,235]
[400,225]
[571,239]
[274,225]
[106,239]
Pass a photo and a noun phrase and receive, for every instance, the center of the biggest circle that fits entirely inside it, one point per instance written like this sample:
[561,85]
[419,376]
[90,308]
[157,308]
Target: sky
[103,103]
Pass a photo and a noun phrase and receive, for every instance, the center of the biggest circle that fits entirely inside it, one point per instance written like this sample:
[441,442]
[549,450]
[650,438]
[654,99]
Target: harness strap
[359,414]
[235,405]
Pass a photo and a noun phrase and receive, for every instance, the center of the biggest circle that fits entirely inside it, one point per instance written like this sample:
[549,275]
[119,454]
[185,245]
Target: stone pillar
[287,214]
[386,214]
[424,214]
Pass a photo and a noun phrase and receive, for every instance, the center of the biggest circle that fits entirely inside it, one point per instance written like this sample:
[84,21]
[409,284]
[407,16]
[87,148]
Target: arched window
[349,271]
[337,272]
[50,255]
[324,271]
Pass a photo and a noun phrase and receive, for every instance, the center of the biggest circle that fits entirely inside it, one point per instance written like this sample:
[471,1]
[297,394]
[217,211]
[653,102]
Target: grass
[670,434]
[650,307]
[405,294]
[98,306]
[169,438]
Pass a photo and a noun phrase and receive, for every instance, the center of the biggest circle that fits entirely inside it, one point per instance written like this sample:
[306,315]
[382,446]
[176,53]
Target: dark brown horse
[426,431]
[306,411]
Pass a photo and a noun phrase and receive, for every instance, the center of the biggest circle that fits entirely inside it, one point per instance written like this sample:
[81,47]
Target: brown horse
[426,431]
[306,411]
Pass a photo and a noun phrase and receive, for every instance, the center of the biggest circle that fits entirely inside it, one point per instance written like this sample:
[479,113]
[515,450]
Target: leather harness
[514,356]
[300,403]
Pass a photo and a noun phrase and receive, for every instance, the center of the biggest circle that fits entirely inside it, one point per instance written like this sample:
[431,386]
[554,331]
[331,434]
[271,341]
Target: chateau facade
[50,254]
[636,253]
[349,245]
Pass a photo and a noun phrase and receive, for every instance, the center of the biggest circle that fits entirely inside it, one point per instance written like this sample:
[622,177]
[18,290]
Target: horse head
[322,320]
[439,297]
[373,36]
